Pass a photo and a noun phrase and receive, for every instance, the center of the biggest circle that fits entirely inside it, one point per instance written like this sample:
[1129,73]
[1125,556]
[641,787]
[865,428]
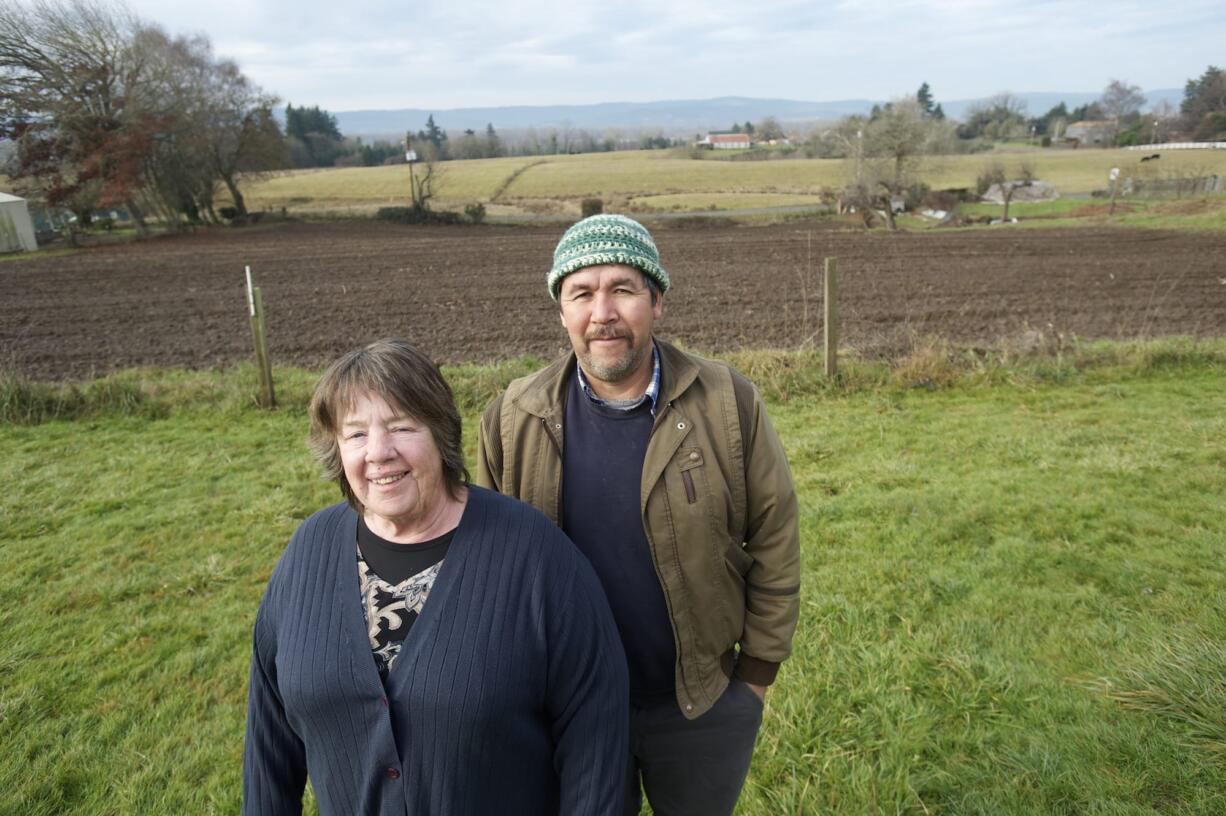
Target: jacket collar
[545,395]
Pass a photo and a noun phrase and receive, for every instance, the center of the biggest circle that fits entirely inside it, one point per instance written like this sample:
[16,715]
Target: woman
[427,646]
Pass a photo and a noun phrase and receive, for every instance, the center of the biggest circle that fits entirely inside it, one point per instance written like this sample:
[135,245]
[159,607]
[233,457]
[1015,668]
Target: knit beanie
[606,239]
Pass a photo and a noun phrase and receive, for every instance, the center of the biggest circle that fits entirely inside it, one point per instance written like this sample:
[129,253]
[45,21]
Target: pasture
[1013,592]
[648,181]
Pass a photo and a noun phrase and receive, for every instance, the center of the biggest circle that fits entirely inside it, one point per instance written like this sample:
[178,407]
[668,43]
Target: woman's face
[392,464]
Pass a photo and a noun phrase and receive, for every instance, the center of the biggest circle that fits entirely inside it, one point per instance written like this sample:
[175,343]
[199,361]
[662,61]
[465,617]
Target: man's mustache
[606,334]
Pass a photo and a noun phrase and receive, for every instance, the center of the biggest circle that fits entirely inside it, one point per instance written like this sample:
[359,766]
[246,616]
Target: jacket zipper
[557,446]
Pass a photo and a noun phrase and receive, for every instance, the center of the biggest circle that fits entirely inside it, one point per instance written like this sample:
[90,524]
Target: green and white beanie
[606,239]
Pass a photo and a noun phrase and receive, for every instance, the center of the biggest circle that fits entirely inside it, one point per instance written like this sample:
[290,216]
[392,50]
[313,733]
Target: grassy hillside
[665,180]
[1013,593]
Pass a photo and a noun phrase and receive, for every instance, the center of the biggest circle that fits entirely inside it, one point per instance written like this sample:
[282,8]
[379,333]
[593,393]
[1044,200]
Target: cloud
[483,52]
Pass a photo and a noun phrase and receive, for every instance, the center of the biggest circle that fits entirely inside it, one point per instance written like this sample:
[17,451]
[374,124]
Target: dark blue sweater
[602,513]
[509,695]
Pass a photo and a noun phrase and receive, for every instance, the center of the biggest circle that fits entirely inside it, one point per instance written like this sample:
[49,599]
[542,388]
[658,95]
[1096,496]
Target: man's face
[608,313]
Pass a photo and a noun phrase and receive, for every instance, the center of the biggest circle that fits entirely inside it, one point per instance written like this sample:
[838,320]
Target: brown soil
[1095,210]
[471,294]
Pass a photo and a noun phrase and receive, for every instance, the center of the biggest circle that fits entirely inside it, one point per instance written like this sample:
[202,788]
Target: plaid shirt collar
[653,388]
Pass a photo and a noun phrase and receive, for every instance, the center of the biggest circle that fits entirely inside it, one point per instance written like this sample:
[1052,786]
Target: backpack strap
[744,396]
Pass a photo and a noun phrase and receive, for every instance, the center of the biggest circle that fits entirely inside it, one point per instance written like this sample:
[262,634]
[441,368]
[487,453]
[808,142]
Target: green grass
[1204,213]
[558,183]
[38,253]
[688,202]
[1031,209]
[1014,584]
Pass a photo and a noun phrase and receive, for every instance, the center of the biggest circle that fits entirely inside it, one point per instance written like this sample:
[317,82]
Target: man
[665,471]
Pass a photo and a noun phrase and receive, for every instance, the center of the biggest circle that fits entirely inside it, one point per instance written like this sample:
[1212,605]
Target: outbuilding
[16,230]
[725,140]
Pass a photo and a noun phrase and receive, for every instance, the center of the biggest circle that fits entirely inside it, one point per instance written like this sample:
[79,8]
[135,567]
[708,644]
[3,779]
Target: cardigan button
[694,457]
[689,707]
[393,773]
[681,426]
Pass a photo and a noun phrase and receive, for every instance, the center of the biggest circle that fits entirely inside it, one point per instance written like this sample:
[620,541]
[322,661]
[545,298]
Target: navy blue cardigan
[509,695]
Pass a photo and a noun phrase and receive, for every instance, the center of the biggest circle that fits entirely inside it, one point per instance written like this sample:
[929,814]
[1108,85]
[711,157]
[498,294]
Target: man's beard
[618,369]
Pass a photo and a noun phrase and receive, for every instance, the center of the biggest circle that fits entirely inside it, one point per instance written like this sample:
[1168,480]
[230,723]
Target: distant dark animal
[1151,158]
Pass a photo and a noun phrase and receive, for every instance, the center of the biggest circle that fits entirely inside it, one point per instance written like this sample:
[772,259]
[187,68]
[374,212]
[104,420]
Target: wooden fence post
[832,317]
[255,303]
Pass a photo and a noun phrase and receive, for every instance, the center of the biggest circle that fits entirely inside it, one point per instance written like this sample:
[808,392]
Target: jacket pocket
[688,459]
[738,559]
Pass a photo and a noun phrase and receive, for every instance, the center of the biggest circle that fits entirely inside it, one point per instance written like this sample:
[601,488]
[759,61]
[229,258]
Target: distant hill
[672,116]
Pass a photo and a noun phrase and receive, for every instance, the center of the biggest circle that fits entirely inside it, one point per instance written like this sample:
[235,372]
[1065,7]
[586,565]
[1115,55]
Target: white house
[16,230]
[725,141]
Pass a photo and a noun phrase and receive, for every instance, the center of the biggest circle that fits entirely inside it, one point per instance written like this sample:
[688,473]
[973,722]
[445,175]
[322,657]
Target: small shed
[1091,133]
[16,230]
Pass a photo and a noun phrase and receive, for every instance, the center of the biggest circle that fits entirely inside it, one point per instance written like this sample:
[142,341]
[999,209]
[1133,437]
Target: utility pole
[860,159]
[410,156]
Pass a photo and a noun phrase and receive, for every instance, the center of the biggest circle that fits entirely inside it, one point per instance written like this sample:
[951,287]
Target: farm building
[1091,133]
[725,141]
[16,231]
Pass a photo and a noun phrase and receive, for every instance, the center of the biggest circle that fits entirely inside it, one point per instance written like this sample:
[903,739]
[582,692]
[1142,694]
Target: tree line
[106,110]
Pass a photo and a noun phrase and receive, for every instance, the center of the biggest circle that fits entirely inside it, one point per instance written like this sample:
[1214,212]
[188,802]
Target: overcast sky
[467,53]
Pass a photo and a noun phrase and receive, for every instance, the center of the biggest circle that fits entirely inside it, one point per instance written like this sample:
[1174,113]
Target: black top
[394,562]
[603,455]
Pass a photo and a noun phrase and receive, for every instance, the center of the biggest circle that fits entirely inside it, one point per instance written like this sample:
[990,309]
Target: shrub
[992,173]
[417,215]
[475,212]
[591,206]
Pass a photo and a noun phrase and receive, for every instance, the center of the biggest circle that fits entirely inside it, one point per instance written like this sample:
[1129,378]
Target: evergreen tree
[1204,105]
[1089,112]
[436,136]
[493,144]
[313,136]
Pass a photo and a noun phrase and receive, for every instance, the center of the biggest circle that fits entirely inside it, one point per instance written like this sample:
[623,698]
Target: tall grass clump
[1182,680]
[27,402]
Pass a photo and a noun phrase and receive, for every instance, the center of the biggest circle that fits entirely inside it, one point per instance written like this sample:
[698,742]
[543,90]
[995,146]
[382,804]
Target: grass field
[1014,585]
[1202,213]
[636,178]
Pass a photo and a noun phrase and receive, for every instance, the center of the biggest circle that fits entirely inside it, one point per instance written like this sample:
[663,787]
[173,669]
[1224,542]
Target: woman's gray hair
[408,381]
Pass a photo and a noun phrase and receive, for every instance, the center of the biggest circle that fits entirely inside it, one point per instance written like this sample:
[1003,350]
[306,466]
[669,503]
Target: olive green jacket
[718,506]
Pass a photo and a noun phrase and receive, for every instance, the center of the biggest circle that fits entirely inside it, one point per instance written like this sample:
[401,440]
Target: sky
[443,54]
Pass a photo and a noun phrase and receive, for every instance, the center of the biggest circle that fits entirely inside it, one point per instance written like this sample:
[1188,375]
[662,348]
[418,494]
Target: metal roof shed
[16,231]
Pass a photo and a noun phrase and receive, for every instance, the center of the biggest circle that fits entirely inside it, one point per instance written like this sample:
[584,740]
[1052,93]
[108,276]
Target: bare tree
[995,175]
[424,181]
[1002,116]
[769,129]
[1120,100]
[66,73]
[105,109]
[888,152]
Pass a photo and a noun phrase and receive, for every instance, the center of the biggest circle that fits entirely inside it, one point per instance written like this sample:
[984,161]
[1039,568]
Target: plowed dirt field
[472,294]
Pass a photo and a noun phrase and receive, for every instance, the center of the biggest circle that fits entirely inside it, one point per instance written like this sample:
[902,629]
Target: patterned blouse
[391,608]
